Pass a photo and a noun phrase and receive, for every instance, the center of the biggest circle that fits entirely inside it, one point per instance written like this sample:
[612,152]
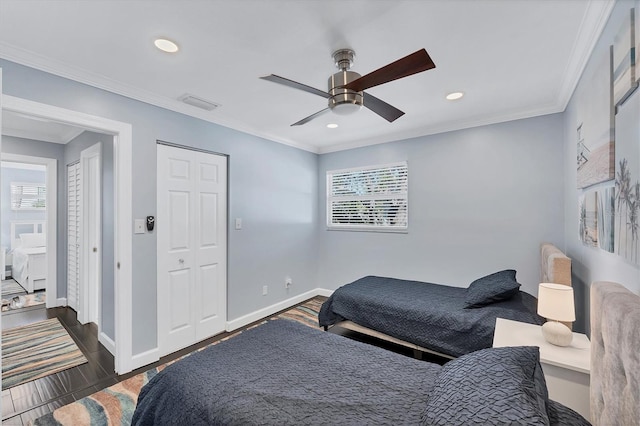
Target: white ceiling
[21,126]
[512,58]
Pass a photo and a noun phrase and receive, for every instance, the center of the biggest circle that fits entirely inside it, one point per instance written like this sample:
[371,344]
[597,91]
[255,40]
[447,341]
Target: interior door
[91,246]
[192,246]
[73,234]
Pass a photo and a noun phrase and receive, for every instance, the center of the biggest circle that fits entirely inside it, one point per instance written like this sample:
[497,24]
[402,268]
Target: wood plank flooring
[33,399]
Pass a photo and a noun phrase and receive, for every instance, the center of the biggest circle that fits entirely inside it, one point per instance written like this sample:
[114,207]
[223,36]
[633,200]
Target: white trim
[52,215]
[270,310]
[324,292]
[85,309]
[61,301]
[107,342]
[151,356]
[55,67]
[145,358]
[123,142]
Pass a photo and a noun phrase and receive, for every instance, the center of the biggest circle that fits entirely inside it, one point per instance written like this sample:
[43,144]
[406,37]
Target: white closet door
[74,192]
[192,246]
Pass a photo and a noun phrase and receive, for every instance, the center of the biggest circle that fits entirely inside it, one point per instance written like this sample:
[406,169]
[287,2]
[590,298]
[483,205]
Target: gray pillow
[492,288]
[496,386]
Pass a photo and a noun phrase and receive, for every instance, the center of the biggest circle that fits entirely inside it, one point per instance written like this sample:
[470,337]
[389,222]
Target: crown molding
[55,67]
[593,23]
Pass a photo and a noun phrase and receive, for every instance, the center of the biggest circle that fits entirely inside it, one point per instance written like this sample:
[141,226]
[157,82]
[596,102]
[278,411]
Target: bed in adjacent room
[444,320]
[29,254]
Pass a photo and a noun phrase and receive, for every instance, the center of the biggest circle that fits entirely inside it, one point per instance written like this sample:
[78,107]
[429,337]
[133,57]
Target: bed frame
[615,359]
[555,267]
[36,277]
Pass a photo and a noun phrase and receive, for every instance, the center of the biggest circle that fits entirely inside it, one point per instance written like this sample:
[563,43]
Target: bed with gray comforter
[433,316]
[285,373]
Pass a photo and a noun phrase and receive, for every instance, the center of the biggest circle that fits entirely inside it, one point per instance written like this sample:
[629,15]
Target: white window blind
[369,198]
[28,196]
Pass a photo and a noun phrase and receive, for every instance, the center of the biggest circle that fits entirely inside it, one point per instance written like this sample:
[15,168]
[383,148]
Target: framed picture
[623,57]
[589,219]
[627,181]
[595,145]
[605,211]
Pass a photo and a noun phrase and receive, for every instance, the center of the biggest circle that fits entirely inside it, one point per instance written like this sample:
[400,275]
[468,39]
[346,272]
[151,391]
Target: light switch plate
[238,223]
[139,226]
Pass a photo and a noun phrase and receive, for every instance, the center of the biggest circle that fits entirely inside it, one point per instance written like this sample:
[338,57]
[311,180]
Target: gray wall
[272,187]
[13,145]
[72,154]
[592,264]
[480,200]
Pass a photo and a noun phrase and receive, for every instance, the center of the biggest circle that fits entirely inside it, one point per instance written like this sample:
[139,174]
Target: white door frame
[51,164]
[91,223]
[123,143]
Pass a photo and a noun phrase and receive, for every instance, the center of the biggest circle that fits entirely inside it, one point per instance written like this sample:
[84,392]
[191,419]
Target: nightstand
[566,369]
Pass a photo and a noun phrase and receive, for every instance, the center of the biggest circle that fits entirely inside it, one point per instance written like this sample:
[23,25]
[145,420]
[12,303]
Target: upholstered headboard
[555,266]
[615,355]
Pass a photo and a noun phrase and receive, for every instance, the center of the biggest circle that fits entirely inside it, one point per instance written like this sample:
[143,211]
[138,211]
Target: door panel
[179,220]
[191,226]
[73,234]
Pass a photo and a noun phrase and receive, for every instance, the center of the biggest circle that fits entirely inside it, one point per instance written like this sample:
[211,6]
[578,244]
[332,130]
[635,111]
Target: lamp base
[557,333]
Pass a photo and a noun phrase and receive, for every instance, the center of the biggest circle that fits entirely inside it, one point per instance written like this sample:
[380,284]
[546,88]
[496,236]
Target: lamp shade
[555,302]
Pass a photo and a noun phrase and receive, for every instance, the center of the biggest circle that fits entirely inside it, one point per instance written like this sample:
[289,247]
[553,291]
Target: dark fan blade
[311,117]
[295,85]
[380,107]
[409,65]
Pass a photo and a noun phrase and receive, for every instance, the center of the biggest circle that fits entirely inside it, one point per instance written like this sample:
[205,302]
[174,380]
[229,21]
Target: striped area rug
[37,350]
[11,287]
[29,300]
[115,405]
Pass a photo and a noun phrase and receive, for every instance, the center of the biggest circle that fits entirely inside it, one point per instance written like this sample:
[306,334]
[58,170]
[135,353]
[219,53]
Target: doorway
[36,271]
[122,268]
[192,246]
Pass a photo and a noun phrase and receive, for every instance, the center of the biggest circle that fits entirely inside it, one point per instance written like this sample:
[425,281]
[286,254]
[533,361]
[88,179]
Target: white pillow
[32,240]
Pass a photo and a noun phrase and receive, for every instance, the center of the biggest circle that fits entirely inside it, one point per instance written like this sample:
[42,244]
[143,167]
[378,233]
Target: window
[28,196]
[368,198]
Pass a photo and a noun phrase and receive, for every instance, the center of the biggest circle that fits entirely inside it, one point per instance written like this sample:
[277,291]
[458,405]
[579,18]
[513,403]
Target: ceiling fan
[346,88]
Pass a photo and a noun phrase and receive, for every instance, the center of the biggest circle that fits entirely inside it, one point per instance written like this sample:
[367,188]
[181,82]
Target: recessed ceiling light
[166,45]
[454,95]
[332,125]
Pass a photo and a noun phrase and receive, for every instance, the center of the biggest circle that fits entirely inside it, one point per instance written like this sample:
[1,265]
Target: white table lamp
[555,303]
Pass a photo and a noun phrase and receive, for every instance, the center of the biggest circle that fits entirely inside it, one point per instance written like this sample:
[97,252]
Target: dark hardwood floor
[33,399]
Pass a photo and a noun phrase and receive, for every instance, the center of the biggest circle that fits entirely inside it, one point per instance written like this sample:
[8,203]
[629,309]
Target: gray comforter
[285,373]
[429,315]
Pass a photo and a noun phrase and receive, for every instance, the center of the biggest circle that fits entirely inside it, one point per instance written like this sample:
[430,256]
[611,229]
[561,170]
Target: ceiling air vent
[198,102]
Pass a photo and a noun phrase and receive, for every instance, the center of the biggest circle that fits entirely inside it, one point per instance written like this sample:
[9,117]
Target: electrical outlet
[287,282]
[265,290]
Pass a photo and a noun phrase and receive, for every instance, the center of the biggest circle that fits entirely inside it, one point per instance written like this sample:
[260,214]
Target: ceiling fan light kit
[346,88]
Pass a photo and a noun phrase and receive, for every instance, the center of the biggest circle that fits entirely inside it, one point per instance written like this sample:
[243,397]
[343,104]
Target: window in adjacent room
[372,198]
[28,196]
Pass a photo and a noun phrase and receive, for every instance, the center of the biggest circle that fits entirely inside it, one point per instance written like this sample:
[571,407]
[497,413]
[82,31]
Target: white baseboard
[145,358]
[324,292]
[151,356]
[270,310]
[61,301]
[107,342]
